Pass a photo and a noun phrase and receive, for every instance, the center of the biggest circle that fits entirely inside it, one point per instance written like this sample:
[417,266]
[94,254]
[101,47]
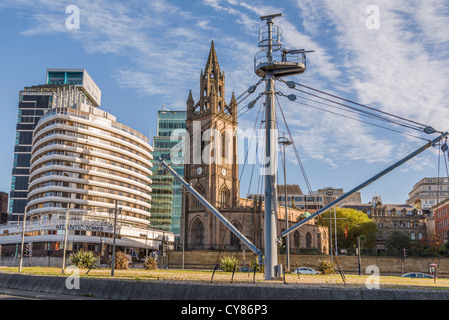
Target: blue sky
[143,54]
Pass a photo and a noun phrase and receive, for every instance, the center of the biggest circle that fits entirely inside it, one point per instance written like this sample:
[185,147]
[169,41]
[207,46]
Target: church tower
[211,158]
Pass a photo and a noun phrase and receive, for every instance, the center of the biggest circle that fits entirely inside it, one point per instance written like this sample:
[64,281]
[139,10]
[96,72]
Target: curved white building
[87,166]
[86,161]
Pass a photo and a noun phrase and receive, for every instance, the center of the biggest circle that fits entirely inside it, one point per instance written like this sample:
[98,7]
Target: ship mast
[270,64]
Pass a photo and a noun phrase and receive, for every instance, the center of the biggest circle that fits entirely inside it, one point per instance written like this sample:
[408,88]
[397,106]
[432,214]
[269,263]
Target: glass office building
[167,123]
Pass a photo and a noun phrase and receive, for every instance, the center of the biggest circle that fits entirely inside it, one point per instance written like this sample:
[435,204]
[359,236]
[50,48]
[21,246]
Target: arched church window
[296,239]
[224,145]
[234,240]
[199,232]
[224,196]
[200,190]
[308,240]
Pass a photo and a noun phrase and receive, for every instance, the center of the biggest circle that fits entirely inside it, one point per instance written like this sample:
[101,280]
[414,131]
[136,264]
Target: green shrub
[84,259]
[228,263]
[325,266]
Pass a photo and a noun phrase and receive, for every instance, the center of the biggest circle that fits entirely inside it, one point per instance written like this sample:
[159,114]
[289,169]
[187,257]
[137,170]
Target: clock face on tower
[223,172]
[199,170]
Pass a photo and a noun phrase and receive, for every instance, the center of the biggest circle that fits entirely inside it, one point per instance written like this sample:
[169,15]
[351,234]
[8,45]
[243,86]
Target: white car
[305,270]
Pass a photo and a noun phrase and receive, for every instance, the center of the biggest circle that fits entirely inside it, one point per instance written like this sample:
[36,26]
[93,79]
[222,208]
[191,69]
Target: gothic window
[224,196]
[234,240]
[199,232]
[200,190]
[296,239]
[308,240]
[203,142]
[224,145]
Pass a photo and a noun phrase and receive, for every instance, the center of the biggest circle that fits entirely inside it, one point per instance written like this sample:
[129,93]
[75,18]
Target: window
[224,197]
[308,240]
[200,190]
[234,240]
[199,232]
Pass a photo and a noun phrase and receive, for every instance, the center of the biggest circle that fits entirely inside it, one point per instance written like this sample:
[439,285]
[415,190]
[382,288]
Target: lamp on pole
[285,142]
[65,238]
[23,238]
[114,236]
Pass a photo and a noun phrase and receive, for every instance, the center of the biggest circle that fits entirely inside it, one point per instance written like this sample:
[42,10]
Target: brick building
[441,213]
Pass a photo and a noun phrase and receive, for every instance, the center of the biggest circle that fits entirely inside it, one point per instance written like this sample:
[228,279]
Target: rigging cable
[355,119]
[290,85]
[339,268]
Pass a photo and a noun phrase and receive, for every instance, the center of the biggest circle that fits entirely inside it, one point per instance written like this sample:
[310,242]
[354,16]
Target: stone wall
[387,265]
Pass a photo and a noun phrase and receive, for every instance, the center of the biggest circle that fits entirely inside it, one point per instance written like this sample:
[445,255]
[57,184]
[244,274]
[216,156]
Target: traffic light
[403,254]
[26,250]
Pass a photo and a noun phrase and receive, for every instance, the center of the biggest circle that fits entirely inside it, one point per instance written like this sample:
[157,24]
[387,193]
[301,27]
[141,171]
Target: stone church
[211,167]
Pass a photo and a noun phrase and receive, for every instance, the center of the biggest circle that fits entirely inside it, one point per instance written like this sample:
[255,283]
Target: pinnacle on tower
[212,60]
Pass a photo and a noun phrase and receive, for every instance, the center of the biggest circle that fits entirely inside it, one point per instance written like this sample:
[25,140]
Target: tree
[435,242]
[357,224]
[398,240]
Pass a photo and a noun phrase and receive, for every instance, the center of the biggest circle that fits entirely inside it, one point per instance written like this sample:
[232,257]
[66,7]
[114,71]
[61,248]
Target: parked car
[305,270]
[244,269]
[417,275]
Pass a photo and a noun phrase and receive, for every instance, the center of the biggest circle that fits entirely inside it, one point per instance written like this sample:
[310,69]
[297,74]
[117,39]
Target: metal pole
[366,183]
[359,253]
[23,239]
[335,216]
[65,239]
[183,231]
[287,238]
[113,240]
[330,238]
[270,180]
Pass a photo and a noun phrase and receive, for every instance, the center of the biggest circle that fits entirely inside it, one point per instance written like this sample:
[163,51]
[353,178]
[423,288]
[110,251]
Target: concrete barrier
[118,289]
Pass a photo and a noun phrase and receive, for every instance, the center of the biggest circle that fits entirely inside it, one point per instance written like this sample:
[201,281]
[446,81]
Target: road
[9,294]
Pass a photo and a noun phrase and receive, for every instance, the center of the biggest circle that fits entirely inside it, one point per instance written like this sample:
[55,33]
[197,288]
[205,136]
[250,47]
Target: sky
[143,54]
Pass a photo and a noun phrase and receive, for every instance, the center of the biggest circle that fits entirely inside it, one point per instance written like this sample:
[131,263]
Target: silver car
[417,275]
[305,270]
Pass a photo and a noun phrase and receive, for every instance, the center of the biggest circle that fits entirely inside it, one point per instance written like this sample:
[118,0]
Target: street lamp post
[65,238]
[23,239]
[285,142]
[113,239]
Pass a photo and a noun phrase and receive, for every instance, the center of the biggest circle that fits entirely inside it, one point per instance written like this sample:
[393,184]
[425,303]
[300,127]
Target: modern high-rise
[170,127]
[62,88]
[3,207]
[87,173]
[428,192]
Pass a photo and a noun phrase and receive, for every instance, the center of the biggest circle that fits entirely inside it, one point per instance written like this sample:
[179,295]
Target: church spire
[212,60]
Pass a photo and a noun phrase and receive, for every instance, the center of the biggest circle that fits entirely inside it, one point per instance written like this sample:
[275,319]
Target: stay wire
[359,120]
[339,268]
[357,111]
[359,104]
[364,112]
